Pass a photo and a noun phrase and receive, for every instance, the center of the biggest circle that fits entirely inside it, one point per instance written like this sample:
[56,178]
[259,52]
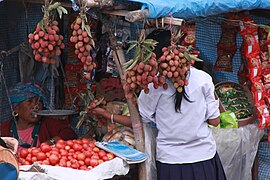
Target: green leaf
[187,56]
[150,42]
[131,47]
[54,6]
[128,63]
[63,9]
[87,29]
[100,101]
[92,42]
[41,25]
[137,53]
[131,42]
[59,12]
[148,48]
[195,58]
[133,64]
[83,25]
[147,57]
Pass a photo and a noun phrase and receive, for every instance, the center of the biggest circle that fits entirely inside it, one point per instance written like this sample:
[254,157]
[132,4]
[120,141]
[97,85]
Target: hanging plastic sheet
[198,8]
[237,148]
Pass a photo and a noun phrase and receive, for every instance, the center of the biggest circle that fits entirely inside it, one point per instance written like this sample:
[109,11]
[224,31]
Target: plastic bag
[150,134]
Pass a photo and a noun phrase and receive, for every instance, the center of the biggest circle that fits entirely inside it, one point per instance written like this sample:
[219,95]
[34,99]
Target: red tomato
[105,158]
[46,162]
[92,144]
[85,146]
[55,149]
[88,154]
[70,157]
[85,140]
[34,152]
[96,149]
[89,148]
[81,156]
[87,161]
[83,167]
[74,166]
[102,153]
[81,163]
[45,148]
[79,141]
[70,143]
[63,163]
[23,153]
[53,159]
[100,161]
[42,144]
[64,157]
[22,161]
[94,157]
[67,147]
[110,156]
[39,162]
[77,147]
[27,163]
[60,145]
[93,162]
[71,151]
[41,156]
[68,164]
[29,158]
[61,141]
[34,159]
[29,150]
[63,152]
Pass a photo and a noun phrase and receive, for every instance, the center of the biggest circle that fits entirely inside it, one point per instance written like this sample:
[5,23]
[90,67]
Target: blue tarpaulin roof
[198,8]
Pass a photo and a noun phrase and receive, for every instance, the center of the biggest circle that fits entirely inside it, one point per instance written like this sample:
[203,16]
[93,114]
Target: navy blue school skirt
[205,170]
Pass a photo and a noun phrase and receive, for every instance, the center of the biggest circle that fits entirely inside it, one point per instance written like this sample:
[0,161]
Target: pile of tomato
[77,154]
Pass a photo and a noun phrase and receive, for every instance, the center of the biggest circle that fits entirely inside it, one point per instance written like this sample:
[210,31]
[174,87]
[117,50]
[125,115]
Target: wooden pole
[119,57]
[138,15]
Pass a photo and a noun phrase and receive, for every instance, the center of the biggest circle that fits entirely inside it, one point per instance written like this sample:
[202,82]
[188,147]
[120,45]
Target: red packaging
[263,114]
[254,73]
[254,61]
[257,89]
[189,38]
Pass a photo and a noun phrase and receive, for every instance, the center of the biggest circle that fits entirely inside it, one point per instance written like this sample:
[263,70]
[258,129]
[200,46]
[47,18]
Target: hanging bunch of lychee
[175,63]
[143,68]
[83,40]
[46,40]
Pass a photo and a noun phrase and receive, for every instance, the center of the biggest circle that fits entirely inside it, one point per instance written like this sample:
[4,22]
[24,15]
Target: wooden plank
[140,14]
[64,4]
[119,57]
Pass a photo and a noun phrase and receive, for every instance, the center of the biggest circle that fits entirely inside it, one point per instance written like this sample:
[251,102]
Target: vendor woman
[29,129]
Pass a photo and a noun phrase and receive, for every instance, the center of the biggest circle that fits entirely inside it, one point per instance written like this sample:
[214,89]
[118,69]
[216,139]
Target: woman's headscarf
[24,91]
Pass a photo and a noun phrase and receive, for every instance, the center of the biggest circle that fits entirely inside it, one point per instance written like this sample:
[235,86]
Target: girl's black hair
[178,99]
[163,37]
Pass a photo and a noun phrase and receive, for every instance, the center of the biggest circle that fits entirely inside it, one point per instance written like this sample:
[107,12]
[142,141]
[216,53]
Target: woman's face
[26,107]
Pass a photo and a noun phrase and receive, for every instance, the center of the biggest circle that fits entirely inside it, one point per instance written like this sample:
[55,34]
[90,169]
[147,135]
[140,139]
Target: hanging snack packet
[258,89]
[263,114]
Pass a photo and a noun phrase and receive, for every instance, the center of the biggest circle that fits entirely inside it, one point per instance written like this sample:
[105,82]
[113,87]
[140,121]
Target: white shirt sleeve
[147,104]
[212,105]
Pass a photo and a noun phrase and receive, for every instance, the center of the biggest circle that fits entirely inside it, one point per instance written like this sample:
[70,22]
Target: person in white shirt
[186,149]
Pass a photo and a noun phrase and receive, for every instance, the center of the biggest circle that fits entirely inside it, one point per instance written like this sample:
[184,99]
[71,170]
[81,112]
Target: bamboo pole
[139,15]
[119,57]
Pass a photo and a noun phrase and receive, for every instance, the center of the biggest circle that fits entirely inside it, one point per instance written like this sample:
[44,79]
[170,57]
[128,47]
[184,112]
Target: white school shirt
[183,137]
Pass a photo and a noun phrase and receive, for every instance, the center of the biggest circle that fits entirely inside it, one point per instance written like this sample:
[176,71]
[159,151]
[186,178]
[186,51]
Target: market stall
[88,57]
